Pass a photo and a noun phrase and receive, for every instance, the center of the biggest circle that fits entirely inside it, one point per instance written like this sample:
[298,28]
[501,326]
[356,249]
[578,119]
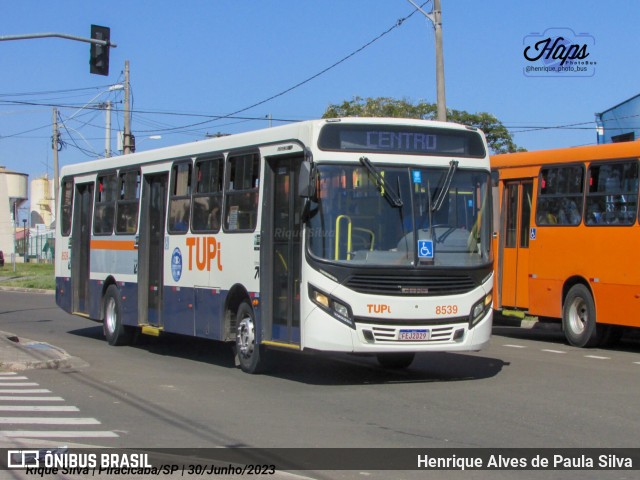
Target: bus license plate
[414,335]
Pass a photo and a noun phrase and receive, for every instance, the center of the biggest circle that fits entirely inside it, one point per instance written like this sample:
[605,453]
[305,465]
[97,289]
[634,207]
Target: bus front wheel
[250,355]
[114,330]
[579,318]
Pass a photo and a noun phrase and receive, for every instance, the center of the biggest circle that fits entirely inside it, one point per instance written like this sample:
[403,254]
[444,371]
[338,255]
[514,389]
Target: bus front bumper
[321,332]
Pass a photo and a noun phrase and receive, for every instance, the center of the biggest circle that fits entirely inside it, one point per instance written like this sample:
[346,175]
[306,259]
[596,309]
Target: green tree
[498,137]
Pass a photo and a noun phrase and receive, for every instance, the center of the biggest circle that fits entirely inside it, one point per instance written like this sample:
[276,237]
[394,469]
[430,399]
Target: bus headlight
[336,308]
[480,309]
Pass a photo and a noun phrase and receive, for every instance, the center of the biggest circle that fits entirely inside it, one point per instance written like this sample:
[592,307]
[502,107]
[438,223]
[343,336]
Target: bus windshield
[442,218]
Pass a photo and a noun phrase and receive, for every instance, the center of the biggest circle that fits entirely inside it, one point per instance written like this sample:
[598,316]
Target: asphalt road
[528,389]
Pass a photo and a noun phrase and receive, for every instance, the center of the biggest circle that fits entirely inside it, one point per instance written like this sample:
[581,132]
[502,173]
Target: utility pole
[107,133]
[436,19]
[127,143]
[56,180]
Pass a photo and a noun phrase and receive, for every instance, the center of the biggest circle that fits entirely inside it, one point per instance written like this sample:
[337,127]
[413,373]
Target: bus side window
[241,200]
[207,197]
[612,198]
[128,202]
[66,206]
[560,199]
[180,198]
[104,210]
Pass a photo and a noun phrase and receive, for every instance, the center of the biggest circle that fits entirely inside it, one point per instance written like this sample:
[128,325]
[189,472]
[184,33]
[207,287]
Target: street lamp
[24,240]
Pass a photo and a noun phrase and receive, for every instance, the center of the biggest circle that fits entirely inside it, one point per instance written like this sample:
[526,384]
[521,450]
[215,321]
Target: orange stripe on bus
[112,245]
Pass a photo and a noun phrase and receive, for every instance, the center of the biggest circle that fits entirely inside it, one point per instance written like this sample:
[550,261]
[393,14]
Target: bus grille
[427,285]
[390,334]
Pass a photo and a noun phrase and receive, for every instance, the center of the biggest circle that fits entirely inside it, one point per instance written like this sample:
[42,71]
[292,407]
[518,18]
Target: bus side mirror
[307,181]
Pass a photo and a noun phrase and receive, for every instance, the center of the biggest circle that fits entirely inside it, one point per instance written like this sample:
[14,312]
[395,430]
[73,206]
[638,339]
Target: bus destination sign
[402,139]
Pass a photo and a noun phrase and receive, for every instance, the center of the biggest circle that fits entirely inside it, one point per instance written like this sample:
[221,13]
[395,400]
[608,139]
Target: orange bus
[568,241]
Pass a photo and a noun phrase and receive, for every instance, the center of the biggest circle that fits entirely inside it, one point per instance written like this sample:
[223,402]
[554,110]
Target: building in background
[42,202]
[13,193]
[620,123]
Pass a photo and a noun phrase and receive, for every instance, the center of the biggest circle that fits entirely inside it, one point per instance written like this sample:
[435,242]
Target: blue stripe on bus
[189,311]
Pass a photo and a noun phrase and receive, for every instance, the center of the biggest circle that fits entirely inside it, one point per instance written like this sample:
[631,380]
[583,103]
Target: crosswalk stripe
[38,408]
[24,390]
[13,393]
[48,421]
[31,399]
[18,384]
[59,434]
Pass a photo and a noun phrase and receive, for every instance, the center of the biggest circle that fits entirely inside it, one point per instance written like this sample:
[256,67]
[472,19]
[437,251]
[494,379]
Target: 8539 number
[446,310]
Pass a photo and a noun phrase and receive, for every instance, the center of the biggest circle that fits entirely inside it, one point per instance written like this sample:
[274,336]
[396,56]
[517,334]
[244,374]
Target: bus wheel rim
[110,315]
[578,316]
[246,338]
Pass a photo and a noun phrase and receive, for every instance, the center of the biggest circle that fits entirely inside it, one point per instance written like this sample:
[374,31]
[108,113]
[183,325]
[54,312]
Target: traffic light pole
[30,36]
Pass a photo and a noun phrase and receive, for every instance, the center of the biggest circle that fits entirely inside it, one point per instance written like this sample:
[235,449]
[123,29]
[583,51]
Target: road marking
[18,384]
[597,357]
[59,434]
[553,351]
[31,399]
[38,408]
[514,346]
[48,421]
[637,363]
[24,390]
[22,395]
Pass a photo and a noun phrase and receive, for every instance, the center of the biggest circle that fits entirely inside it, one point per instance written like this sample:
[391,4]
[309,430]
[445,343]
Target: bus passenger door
[151,249]
[81,247]
[281,252]
[514,245]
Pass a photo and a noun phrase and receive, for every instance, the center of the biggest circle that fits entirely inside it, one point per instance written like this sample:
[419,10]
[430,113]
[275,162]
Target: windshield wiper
[453,165]
[391,196]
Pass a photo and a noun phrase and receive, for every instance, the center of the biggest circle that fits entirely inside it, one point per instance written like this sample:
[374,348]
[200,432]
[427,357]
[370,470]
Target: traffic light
[99,60]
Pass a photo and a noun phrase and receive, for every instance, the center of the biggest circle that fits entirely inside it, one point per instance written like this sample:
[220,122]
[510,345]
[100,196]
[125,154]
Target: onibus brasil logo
[559,52]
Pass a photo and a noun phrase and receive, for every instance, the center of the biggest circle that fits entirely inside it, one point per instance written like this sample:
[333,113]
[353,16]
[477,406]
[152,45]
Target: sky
[195,60]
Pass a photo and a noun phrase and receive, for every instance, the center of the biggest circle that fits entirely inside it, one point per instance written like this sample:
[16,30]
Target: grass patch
[28,275]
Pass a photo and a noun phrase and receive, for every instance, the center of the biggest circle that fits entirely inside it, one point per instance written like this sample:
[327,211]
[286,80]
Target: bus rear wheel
[579,318]
[396,360]
[251,356]
[114,330]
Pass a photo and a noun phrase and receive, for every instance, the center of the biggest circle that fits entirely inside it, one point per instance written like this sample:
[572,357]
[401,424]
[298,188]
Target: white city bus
[370,236]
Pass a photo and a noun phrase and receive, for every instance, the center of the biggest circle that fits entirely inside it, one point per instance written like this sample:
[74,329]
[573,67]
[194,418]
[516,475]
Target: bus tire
[115,332]
[251,357]
[579,318]
[396,360]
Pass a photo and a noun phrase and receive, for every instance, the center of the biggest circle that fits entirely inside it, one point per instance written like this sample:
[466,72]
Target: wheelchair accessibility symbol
[425,248]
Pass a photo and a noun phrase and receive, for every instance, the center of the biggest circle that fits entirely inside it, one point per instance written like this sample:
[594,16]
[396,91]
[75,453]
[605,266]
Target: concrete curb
[19,354]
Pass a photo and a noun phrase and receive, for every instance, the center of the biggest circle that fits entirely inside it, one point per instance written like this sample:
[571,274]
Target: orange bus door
[514,249]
